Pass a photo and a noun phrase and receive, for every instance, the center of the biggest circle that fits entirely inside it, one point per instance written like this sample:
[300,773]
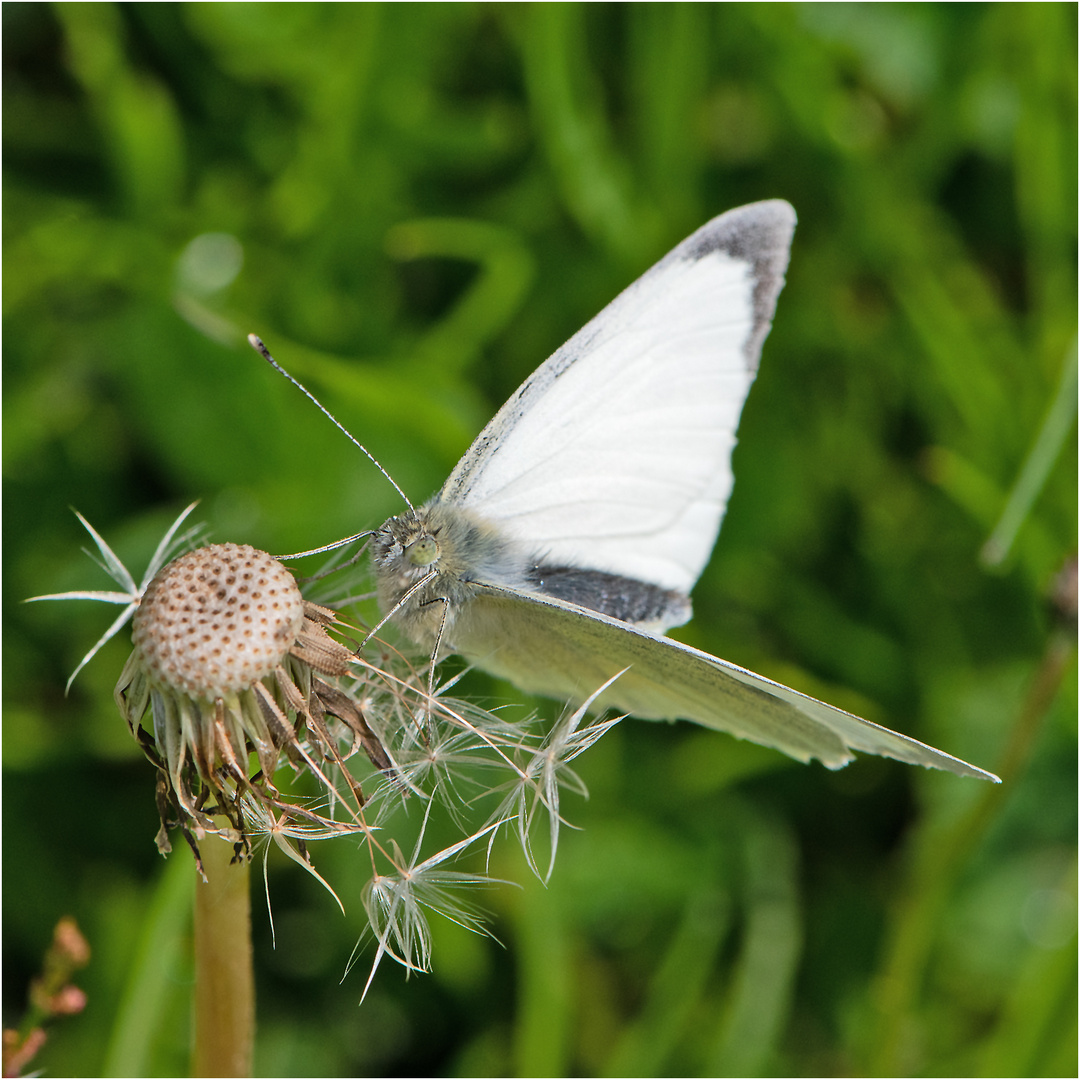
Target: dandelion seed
[112,566]
[396,903]
[538,782]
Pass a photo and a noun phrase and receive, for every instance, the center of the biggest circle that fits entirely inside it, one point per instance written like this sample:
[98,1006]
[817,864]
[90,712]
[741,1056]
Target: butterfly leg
[434,660]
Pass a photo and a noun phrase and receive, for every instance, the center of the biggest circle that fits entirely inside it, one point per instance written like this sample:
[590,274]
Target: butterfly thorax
[429,563]
[446,551]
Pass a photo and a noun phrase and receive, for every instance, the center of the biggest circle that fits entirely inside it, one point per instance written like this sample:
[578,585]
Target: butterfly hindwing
[555,648]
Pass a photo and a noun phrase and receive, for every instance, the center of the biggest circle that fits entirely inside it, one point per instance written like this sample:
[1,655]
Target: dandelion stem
[224,979]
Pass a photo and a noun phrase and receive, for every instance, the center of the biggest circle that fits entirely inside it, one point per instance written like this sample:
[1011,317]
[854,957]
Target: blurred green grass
[427,200]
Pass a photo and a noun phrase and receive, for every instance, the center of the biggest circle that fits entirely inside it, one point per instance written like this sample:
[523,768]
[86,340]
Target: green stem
[939,860]
[224,978]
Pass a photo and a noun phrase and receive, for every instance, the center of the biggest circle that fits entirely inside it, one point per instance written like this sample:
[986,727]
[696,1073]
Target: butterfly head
[405,549]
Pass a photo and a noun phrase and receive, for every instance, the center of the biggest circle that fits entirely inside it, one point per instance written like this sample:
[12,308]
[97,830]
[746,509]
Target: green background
[428,200]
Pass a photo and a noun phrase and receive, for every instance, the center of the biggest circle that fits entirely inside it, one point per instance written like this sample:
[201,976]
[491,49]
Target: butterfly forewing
[616,453]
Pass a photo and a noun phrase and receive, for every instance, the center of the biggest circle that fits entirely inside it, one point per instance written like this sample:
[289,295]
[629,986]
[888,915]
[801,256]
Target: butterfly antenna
[256,343]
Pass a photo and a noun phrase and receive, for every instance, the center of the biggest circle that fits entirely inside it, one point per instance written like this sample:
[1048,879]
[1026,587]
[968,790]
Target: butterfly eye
[422,552]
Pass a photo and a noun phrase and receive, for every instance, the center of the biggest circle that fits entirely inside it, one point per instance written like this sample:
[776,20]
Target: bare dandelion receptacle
[217,619]
[230,661]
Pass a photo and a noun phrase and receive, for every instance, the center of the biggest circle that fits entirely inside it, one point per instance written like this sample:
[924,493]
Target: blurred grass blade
[1040,461]
[772,944]
[940,852]
[152,983]
[138,117]
[566,99]
[676,989]
[542,1023]
[492,299]
[1036,1035]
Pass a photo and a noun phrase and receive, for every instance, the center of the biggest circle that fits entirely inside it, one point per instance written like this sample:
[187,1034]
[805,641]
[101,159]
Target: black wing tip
[758,234]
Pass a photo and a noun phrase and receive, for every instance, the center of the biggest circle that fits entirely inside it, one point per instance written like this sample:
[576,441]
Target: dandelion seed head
[232,673]
[217,620]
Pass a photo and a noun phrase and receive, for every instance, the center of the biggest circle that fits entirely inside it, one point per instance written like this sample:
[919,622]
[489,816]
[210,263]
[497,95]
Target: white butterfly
[569,536]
